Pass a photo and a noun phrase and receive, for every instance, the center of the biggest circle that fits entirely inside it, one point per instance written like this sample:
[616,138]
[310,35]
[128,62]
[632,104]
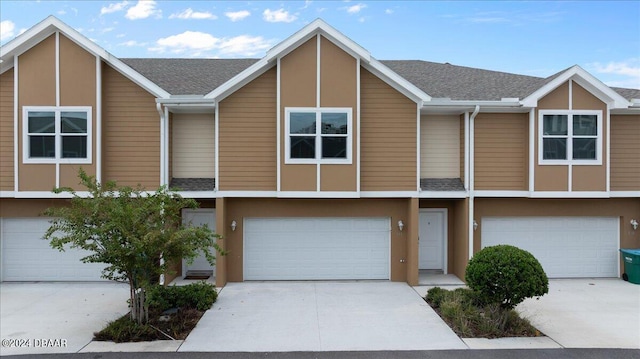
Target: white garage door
[28,257]
[567,247]
[316,248]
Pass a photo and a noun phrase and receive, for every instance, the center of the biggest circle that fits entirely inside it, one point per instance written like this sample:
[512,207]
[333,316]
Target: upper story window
[318,135]
[570,137]
[56,135]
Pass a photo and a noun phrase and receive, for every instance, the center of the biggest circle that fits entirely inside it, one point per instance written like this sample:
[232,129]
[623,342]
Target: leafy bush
[199,295]
[124,329]
[459,308]
[505,275]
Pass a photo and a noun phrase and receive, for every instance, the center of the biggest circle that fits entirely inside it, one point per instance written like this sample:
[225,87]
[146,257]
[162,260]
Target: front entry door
[199,217]
[432,234]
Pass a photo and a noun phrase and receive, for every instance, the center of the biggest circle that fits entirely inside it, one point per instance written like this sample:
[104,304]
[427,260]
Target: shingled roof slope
[201,76]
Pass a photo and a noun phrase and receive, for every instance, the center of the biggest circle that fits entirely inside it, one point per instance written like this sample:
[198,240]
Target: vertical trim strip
[418,160]
[58,138]
[15,124]
[216,136]
[570,139]
[608,155]
[570,95]
[358,107]
[162,113]
[165,159]
[278,128]
[532,120]
[318,116]
[466,151]
[570,178]
[98,132]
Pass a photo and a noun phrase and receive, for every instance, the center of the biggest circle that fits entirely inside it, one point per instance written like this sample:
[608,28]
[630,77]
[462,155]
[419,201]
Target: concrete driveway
[320,316]
[56,317]
[588,313]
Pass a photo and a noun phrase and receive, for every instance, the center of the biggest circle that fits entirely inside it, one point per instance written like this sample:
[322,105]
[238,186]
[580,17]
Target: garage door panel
[28,257]
[565,246]
[316,248]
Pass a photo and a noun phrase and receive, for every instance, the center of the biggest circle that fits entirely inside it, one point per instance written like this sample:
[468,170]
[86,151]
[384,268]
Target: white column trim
[165,139]
[15,124]
[608,149]
[162,113]
[318,155]
[58,138]
[278,129]
[418,160]
[570,95]
[216,136]
[466,151]
[98,132]
[358,107]
[532,154]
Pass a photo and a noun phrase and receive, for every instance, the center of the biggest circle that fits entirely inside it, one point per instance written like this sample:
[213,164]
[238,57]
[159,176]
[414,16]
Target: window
[57,135]
[570,137]
[318,135]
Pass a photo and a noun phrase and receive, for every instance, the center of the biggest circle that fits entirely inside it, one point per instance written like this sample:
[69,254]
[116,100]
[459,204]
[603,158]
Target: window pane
[303,147]
[334,123]
[42,146]
[584,148]
[74,146]
[585,125]
[74,122]
[334,147]
[302,122]
[555,124]
[554,148]
[42,122]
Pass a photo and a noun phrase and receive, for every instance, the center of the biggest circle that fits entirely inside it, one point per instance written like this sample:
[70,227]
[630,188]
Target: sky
[537,38]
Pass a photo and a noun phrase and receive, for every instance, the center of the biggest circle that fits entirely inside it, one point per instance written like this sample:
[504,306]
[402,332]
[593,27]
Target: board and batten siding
[388,127]
[440,146]
[625,148]
[248,136]
[6,131]
[193,145]
[130,132]
[501,151]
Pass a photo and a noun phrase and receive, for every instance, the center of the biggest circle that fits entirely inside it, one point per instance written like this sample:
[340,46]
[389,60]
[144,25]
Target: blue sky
[536,38]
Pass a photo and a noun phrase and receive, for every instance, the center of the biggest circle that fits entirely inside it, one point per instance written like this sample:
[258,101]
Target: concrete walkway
[320,316]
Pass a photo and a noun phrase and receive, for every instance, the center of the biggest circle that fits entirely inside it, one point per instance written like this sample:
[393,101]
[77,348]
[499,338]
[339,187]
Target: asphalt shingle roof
[201,76]
[441,184]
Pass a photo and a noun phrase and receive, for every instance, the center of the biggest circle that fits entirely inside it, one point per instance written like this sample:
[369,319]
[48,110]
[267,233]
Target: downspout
[471,176]
[162,144]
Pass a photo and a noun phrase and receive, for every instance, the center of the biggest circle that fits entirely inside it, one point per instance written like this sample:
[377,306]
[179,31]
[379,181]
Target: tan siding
[298,78]
[557,99]
[130,131]
[338,88]
[439,146]
[462,148]
[194,148]
[625,148]
[248,136]
[501,143]
[6,131]
[23,207]
[388,137]
[584,100]
[551,178]
[461,238]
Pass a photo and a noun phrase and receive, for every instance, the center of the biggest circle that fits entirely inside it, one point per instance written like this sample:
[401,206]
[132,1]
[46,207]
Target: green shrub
[124,329]
[199,295]
[435,296]
[505,275]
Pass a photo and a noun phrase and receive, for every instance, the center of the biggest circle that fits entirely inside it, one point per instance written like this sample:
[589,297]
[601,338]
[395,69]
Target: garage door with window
[28,257]
[567,247]
[316,248]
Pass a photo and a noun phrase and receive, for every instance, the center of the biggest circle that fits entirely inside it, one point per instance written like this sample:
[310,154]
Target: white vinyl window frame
[58,134]
[318,111]
[570,137]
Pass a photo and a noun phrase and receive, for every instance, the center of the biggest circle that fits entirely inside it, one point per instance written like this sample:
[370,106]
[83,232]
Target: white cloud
[354,9]
[237,15]
[195,43]
[388,11]
[628,71]
[190,14]
[132,43]
[113,7]
[142,10]
[280,15]
[119,36]
[107,29]
[7,28]
[61,12]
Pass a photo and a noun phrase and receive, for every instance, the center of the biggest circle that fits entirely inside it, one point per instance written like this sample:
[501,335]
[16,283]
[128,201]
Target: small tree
[135,233]
[505,275]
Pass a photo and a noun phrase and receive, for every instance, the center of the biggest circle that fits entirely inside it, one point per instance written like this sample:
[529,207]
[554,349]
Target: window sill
[317,162]
[570,162]
[43,161]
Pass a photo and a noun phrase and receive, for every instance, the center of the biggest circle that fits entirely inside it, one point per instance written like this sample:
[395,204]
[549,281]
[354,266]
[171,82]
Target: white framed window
[318,135]
[56,134]
[570,137]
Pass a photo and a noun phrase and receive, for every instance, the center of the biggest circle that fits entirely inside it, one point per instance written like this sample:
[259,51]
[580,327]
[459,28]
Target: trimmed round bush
[505,275]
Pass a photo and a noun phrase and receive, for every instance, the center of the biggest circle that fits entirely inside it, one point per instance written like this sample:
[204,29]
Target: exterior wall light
[475,225]
[400,225]
[634,224]
[234,225]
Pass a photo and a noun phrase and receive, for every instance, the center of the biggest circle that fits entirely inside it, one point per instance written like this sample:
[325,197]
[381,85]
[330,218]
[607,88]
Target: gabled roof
[291,43]
[50,25]
[584,79]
